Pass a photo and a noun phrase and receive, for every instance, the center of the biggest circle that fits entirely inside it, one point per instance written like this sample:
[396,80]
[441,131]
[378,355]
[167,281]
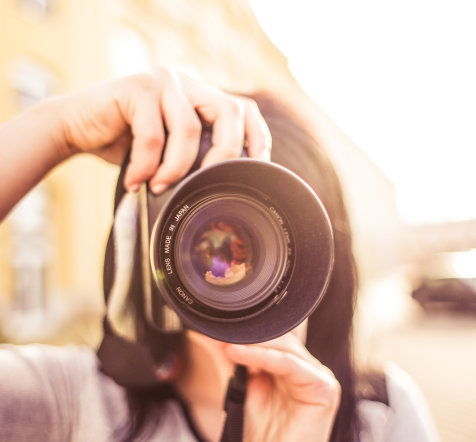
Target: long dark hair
[329,336]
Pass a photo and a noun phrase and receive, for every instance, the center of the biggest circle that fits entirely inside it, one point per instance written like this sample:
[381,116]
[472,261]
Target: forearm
[30,146]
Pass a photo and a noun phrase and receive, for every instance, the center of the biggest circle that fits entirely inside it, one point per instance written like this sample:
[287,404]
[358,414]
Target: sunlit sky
[400,79]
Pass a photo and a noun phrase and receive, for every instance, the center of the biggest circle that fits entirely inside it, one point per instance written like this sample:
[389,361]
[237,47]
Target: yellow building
[51,247]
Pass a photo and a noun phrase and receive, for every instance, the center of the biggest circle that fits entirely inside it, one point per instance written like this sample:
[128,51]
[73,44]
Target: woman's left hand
[291,396]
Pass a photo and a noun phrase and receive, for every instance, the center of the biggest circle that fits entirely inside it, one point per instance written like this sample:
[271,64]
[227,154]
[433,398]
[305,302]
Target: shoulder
[59,393]
[34,366]
[50,393]
[44,354]
[45,366]
[404,417]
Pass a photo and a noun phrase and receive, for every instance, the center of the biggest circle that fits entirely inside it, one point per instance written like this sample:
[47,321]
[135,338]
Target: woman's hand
[134,112]
[291,396]
[137,110]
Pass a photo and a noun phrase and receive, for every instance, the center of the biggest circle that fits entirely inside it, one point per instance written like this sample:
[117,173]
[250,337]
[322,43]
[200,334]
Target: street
[438,349]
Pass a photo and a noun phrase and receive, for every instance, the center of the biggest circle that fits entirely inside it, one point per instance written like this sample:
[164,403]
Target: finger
[257,135]
[183,140]
[228,132]
[304,381]
[290,343]
[148,139]
[225,113]
[273,361]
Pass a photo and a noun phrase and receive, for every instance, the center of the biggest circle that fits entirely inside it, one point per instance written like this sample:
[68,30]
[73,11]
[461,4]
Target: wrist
[48,116]
[32,145]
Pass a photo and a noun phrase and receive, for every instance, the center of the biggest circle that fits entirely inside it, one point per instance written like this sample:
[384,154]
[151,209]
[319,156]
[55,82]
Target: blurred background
[396,77]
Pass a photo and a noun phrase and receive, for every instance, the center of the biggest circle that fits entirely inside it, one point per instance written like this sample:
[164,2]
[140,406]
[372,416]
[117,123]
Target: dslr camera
[241,251]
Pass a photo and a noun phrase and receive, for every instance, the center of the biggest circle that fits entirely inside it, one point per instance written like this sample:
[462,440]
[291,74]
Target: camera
[241,251]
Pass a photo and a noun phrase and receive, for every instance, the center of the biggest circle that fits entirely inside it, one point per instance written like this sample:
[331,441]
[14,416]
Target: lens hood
[242,251]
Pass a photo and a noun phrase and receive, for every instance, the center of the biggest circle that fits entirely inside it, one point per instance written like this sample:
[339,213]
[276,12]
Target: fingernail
[159,188]
[135,188]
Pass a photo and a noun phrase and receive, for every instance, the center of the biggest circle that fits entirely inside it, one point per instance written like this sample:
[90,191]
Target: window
[129,52]
[31,82]
[36,7]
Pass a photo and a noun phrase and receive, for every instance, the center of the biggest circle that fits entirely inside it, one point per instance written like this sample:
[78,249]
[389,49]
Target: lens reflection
[223,253]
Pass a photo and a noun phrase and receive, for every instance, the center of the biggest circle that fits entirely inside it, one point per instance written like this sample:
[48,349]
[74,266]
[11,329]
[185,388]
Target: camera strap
[235,405]
[130,361]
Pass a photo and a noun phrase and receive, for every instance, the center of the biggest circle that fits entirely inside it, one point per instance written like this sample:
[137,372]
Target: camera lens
[230,253]
[241,250]
[222,253]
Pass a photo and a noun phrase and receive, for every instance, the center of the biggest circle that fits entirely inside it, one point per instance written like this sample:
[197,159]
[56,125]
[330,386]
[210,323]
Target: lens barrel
[241,250]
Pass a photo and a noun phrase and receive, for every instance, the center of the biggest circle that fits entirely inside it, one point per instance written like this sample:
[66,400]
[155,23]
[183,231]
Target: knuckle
[233,107]
[330,392]
[261,143]
[253,111]
[142,171]
[250,104]
[147,167]
[135,86]
[141,81]
[171,173]
[287,360]
[163,73]
[191,128]
[153,141]
[334,389]
[228,153]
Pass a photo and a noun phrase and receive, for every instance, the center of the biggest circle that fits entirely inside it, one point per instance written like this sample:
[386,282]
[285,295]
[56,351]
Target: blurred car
[451,293]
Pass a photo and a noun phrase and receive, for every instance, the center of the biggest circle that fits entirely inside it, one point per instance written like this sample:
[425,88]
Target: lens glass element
[222,253]
[230,253]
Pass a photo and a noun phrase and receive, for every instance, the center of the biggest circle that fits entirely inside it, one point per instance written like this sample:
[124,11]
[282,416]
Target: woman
[302,386]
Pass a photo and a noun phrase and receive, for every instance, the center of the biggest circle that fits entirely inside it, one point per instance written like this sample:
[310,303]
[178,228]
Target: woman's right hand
[136,110]
[290,394]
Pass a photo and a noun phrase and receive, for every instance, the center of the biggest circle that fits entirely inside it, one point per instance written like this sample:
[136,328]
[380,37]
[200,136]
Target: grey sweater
[58,394]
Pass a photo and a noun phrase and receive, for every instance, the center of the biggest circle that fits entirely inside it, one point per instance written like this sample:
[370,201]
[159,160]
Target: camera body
[241,251]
